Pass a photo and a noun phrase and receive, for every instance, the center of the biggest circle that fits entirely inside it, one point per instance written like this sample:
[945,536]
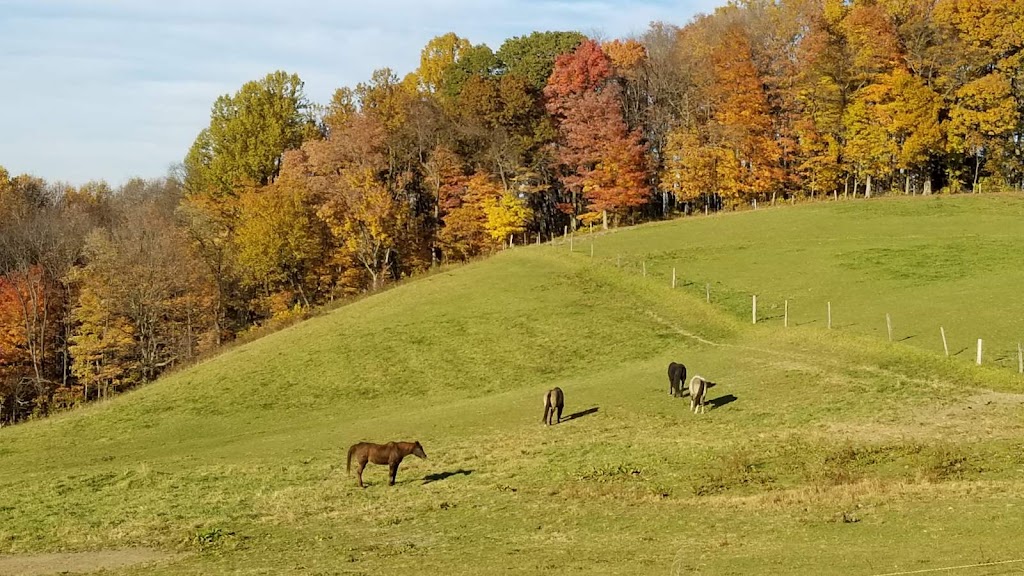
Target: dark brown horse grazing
[676,377]
[553,400]
[390,454]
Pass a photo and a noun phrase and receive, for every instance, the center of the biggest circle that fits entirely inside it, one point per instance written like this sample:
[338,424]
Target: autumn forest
[283,204]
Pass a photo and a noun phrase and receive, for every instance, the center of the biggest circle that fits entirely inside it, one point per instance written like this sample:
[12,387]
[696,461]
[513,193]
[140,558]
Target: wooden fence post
[591,248]
[644,265]
[944,345]
[1020,358]
[785,321]
[888,326]
[707,292]
[570,241]
[673,277]
[830,315]
[979,351]
[753,310]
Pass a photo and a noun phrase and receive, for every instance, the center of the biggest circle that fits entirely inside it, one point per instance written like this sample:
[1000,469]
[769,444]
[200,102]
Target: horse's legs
[392,472]
[359,471]
[559,414]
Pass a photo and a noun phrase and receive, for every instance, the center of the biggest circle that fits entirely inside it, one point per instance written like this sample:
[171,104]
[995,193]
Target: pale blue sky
[111,89]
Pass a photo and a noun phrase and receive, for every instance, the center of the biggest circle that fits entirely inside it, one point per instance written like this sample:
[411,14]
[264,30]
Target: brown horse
[553,400]
[390,454]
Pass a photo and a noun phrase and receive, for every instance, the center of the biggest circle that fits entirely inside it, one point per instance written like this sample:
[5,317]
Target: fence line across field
[675,281]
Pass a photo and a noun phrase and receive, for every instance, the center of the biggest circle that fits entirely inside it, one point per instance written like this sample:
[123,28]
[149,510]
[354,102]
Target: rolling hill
[824,451]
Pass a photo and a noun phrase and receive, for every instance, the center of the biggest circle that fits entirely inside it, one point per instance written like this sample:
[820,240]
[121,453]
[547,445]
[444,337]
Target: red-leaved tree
[598,157]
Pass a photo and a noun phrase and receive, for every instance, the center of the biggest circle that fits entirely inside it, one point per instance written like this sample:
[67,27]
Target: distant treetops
[282,203]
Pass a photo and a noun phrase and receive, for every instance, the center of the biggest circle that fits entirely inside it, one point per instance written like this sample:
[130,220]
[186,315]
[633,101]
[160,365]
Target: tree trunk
[867,187]
[906,186]
[604,219]
[977,168]
[927,185]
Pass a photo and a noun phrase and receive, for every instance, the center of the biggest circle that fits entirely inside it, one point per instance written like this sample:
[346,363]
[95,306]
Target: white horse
[698,387]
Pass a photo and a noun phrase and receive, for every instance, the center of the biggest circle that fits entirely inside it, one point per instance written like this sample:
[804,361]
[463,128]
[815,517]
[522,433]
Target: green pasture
[822,451]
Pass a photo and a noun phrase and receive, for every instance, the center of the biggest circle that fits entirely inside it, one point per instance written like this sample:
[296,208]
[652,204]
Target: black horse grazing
[676,377]
[698,388]
[553,400]
[390,454]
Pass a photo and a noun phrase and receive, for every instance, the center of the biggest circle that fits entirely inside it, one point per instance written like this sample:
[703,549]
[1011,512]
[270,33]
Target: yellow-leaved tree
[281,242]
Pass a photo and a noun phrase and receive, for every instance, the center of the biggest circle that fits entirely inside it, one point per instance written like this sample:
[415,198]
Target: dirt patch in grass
[79,562]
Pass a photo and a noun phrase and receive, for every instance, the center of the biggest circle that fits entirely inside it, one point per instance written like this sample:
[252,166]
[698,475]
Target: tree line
[282,203]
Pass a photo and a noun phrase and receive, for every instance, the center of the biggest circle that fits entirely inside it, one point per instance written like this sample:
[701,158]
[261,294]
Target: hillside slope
[823,451]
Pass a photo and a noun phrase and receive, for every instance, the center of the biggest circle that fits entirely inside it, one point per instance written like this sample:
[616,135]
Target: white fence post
[979,351]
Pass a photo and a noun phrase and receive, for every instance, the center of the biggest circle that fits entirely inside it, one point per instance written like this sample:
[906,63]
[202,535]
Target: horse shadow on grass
[445,475]
[580,414]
[721,401]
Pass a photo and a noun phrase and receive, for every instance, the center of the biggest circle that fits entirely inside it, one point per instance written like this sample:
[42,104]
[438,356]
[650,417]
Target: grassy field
[823,451]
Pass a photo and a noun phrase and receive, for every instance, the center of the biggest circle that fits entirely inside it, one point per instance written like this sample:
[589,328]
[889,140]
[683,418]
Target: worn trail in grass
[822,453]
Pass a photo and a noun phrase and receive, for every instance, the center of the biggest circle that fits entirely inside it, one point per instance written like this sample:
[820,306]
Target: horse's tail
[547,406]
[348,462]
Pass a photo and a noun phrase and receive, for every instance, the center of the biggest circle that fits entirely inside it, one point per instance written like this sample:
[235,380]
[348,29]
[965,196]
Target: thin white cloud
[117,88]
